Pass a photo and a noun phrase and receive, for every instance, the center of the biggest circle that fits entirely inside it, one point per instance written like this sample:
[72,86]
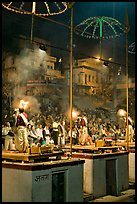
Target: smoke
[33,106]
[28,63]
[121,96]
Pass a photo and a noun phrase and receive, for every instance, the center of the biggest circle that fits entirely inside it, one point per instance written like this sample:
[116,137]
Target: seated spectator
[30,139]
[39,131]
[103,132]
[33,134]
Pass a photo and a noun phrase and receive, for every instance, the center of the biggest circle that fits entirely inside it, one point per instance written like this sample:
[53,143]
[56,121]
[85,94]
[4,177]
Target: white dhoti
[61,140]
[21,139]
[130,134]
[83,135]
[8,143]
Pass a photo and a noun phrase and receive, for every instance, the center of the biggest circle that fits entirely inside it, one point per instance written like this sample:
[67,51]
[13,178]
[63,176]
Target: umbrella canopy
[37,9]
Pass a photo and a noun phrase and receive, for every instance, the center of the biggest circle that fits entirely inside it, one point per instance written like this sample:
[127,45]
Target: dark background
[58,35]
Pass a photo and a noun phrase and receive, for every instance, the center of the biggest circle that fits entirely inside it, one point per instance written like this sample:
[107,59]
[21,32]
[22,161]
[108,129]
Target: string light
[59,6]
[100,27]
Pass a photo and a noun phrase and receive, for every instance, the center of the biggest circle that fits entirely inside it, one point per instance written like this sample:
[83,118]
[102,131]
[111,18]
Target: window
[89,78]
[85,78]
[78,78]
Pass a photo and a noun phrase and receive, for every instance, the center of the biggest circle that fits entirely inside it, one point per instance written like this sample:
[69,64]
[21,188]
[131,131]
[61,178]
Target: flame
[121,112]
[75,114]
[23,104]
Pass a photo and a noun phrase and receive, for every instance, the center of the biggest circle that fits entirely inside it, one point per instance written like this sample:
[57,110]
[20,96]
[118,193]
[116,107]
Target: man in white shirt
[55,132]
[9,135]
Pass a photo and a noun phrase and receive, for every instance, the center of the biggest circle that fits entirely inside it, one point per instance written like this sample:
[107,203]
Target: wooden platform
[81,148]
[93,149]
[38,156]
[124,144]
[26,157]
[90,149]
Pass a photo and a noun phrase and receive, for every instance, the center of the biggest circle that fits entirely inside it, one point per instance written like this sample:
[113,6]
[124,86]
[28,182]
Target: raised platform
[42,181]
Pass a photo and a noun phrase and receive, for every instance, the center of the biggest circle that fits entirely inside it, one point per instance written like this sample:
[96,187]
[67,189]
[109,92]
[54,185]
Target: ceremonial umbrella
[100,27]
[36,8]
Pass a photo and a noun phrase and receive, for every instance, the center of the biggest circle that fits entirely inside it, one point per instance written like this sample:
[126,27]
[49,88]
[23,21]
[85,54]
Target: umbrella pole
[100,47]
[127,30]
[32,24]
[71,63]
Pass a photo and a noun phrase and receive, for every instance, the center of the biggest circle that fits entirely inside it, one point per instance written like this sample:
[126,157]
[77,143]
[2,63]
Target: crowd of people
[52,127]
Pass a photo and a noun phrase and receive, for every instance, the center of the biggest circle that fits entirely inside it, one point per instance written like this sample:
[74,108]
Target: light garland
[60,7]
[131,48]
[100,27]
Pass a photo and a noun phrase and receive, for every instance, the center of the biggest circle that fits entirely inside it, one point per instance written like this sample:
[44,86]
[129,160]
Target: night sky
[59,35]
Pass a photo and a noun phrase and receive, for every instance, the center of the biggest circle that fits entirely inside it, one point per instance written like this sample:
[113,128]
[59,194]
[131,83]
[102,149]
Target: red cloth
[83,122]
[20,121]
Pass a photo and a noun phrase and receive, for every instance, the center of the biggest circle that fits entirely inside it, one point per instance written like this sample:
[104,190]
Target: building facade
[89,76]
